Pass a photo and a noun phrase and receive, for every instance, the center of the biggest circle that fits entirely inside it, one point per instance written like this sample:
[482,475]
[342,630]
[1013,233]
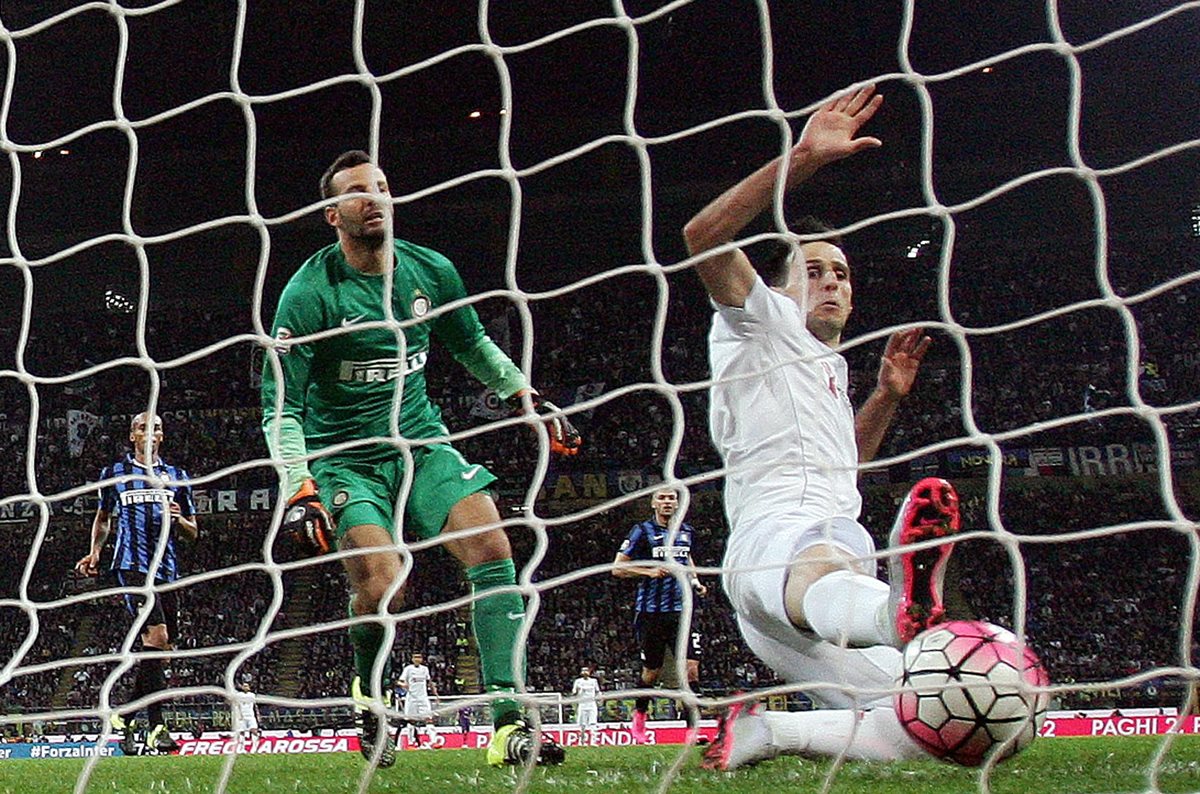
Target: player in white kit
[799,568]
[418,686]
[587,689]
[245,714]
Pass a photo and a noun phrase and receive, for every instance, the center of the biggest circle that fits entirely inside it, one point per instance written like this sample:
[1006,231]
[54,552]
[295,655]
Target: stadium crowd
[1091,620]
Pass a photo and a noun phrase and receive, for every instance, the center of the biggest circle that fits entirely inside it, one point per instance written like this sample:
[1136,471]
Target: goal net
[1035,206]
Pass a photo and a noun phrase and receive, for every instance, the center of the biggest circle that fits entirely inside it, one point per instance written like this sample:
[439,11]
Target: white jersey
[415,680]
[244,712]
[780,414]
[589,688]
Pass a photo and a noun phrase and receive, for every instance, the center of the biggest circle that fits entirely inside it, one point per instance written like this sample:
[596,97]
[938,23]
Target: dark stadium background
[1028,251]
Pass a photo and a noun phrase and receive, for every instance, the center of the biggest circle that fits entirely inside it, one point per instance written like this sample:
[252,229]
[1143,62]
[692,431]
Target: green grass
[1059,765]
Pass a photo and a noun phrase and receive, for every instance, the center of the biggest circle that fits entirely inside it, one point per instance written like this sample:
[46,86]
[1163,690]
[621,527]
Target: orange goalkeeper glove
[307,521]
[564,438]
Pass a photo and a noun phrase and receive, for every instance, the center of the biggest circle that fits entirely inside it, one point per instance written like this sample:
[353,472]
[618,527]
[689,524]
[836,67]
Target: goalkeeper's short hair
[344,160]
[774,265]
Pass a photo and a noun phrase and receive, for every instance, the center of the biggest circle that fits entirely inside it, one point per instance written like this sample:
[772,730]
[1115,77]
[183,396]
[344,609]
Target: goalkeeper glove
[564,438]
[307,521]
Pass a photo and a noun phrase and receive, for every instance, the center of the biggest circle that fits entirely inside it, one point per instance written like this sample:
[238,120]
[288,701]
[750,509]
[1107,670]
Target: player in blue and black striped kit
[149,504]
[659,599]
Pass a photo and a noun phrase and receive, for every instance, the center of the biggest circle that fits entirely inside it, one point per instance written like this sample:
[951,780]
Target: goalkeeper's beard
[373,240]
[364,235]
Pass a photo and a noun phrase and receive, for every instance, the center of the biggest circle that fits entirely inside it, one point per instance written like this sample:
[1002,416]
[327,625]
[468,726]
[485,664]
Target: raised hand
[830,132]
[901,360]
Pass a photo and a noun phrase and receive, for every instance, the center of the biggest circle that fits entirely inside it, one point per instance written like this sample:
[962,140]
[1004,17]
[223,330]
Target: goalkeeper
[347,387]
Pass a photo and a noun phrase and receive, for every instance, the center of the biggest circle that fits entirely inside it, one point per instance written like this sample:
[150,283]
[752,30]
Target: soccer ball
[967,692]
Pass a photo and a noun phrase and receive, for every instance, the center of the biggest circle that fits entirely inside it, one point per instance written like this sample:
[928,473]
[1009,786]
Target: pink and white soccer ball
[969,689]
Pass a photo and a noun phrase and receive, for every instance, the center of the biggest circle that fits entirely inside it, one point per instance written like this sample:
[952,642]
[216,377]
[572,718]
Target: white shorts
[586,714]
[417,707]
[756,568]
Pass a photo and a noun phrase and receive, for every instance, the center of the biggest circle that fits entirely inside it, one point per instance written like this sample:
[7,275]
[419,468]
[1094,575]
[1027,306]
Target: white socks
[850,610]
[874,735]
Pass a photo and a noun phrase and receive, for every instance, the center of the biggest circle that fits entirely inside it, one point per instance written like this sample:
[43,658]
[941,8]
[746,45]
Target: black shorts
[164,611]
[656,632]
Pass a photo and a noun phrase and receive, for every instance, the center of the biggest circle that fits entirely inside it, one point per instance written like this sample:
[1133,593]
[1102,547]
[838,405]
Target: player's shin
[849,609]
[367,639]
[150,679]
[872,735]
[497,620]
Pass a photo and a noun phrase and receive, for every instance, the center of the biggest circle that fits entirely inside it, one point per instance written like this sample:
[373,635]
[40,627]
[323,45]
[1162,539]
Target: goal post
[1034,206]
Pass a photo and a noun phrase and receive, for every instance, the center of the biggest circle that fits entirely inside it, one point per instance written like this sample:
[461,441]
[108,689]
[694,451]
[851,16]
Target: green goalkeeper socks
[497,622]
[367,638]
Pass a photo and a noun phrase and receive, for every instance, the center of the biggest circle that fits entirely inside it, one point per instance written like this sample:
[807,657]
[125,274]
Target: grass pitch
[1109,765]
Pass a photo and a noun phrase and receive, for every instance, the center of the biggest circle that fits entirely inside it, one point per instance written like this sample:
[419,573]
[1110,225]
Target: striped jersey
[139,507]
[648,541]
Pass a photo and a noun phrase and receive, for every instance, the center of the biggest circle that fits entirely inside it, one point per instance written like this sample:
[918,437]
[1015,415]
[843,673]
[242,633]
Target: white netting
[1035,204]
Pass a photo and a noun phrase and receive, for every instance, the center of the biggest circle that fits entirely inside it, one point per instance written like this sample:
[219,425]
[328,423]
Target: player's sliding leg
[929,512]
[854,684]
[861,621]
[747,735]
[837,630]
[497,618]
[828,592]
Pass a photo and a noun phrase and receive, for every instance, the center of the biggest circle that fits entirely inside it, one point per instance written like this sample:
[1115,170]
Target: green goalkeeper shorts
[365,491]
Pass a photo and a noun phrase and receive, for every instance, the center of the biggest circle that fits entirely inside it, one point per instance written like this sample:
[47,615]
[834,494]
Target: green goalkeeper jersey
[343,387]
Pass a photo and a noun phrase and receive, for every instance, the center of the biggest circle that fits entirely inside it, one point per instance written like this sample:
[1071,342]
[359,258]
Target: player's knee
[489,546]
[809,566]
[494,546]
[650,676]
[372,591]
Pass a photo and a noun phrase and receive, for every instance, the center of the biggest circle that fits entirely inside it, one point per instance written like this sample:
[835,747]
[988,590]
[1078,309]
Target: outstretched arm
[829,135]
[897,372]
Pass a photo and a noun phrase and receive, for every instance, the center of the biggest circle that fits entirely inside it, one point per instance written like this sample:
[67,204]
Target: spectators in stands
[1089,619]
